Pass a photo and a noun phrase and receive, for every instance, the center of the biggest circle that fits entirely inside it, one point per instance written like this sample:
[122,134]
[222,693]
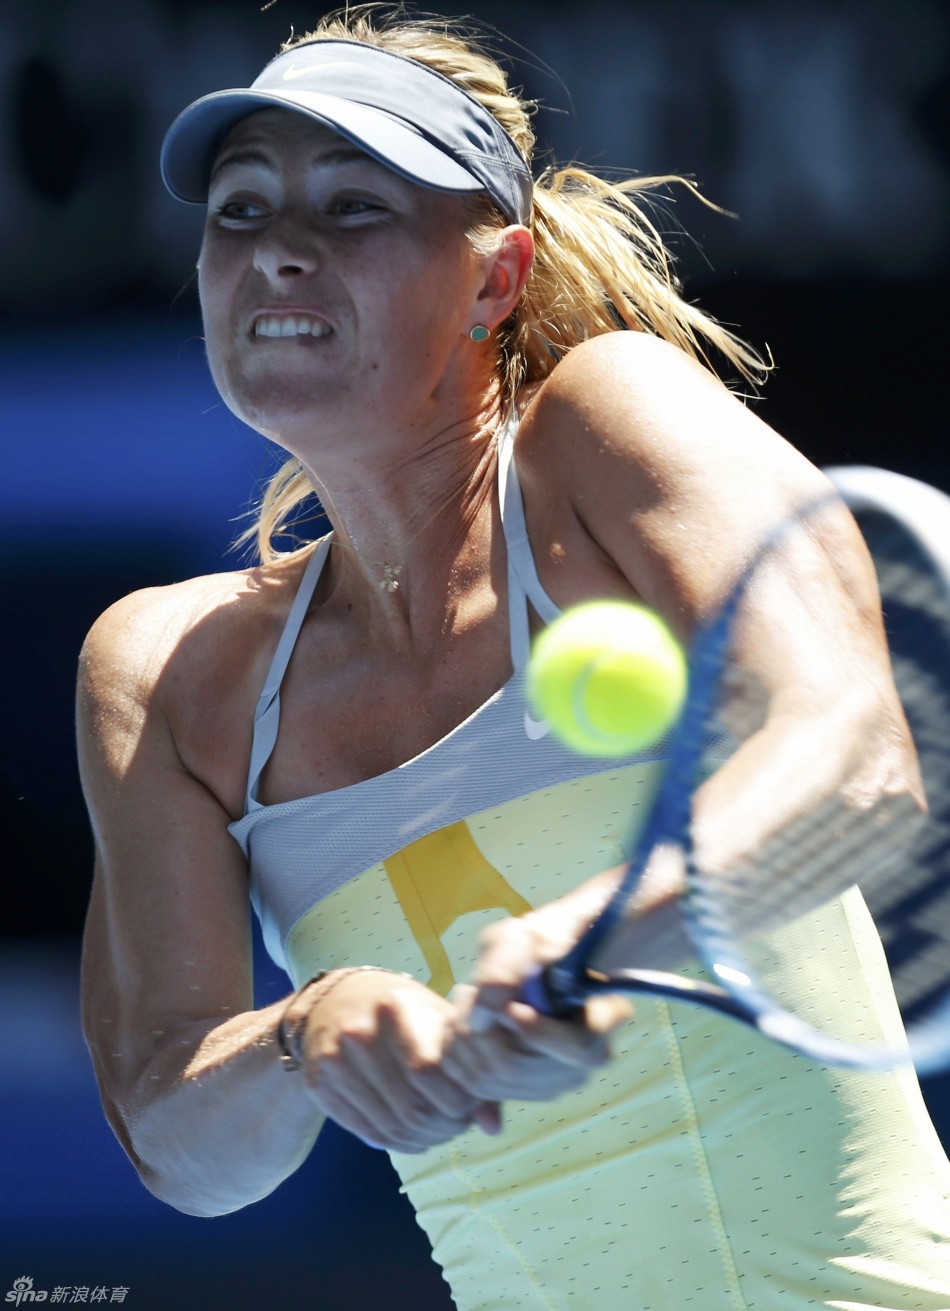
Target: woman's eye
[348,206]
[239,211]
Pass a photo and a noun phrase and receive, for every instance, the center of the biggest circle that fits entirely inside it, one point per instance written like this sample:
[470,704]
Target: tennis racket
[791,941]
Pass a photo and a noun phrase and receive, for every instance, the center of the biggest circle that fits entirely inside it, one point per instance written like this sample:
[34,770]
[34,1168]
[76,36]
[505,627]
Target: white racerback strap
[267,714]
[523,580]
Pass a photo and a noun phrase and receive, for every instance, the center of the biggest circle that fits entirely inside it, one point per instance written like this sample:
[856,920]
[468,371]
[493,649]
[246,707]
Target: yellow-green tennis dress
[704,1167]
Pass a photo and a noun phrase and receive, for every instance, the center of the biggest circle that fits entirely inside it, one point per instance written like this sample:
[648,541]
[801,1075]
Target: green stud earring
[479,333]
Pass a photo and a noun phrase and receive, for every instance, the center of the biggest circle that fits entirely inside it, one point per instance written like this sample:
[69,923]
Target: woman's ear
[506,272]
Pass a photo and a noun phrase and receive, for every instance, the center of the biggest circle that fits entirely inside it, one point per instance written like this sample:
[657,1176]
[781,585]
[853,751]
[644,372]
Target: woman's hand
[373,1049]
[503,1048]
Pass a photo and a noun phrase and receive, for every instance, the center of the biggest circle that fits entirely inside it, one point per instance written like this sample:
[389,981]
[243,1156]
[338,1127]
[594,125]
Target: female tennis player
[503,403]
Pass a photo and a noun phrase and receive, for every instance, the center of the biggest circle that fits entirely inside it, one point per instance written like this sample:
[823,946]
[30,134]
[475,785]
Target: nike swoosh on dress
[536,729]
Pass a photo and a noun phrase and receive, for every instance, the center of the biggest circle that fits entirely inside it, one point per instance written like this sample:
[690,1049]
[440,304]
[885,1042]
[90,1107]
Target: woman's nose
[285,251]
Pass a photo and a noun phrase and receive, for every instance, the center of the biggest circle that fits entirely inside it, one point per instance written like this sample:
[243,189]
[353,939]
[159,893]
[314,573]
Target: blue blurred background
[825,126]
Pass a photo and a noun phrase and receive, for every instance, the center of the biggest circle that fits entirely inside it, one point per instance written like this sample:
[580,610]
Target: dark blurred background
[824,126]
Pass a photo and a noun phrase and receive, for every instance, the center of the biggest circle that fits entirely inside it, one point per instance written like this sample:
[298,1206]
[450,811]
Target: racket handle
[547,994]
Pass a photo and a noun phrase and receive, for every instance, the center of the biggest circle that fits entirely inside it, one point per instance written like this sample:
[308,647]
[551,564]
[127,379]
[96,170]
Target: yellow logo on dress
[440,878]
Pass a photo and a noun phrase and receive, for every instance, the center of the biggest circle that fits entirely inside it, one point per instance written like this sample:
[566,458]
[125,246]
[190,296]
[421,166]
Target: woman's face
[332,289]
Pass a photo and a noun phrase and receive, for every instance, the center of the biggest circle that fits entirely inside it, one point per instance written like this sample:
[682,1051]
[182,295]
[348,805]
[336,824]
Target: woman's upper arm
[166,952]
[668,483]
[643,476]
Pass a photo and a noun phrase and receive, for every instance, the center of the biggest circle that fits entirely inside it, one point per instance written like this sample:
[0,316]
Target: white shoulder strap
[523,581]
[267,714]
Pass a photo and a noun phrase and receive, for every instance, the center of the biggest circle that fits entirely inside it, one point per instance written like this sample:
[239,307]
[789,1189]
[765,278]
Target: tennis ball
[609,678]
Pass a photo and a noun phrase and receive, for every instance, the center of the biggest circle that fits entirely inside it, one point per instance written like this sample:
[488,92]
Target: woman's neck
[416,533]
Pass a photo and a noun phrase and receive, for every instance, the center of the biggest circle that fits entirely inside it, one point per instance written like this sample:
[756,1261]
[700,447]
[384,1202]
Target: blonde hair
[600,263]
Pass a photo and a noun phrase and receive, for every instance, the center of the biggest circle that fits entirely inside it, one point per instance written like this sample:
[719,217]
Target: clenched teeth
[290,325]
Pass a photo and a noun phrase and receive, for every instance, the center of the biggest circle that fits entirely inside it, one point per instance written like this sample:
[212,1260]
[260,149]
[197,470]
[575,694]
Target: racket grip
[541,991]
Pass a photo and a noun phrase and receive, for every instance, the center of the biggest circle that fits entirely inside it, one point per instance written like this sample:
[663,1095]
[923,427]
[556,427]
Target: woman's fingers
[376,1068]
[524,1055]
[578,1041]
[511,949]
[608,1011]
[503,1075]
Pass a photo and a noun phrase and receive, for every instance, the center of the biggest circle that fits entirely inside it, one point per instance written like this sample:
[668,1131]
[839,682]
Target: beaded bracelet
[290,1031]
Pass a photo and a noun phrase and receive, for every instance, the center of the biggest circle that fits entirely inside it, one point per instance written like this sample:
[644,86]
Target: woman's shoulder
[634,401]
[618,381]
[188,632]
[171,675]
[610,395]
[632,444]
[156,619]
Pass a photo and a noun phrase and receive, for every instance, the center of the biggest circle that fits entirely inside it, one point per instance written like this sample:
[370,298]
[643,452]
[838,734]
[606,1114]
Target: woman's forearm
[807,771]
[220,1127]
[215,1119]
[835,764]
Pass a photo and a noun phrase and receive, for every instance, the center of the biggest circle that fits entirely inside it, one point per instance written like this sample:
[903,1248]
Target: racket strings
[915,922]
[810,861]
[758,919]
